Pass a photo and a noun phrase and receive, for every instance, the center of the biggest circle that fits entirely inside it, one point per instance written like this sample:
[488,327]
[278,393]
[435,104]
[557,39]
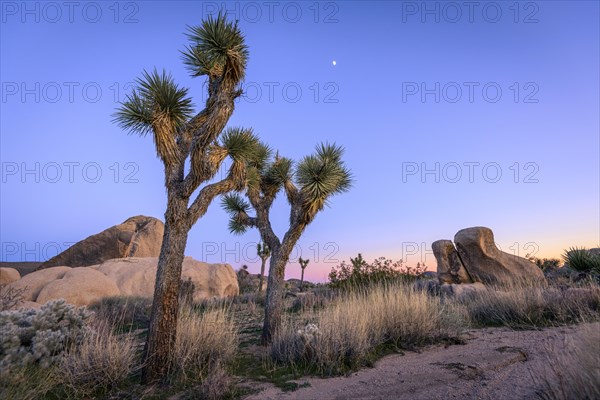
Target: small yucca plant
[581,259]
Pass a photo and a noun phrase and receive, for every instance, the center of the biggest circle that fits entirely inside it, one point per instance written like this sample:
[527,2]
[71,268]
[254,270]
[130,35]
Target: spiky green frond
[156,105]
[320,176]
[164,98]
[237,209]
[217,48]
[134,114]
[278,172]
[263,153]
[241,145]
[236,227]
[234,204]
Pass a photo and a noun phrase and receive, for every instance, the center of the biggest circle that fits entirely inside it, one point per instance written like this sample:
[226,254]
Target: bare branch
[206,196]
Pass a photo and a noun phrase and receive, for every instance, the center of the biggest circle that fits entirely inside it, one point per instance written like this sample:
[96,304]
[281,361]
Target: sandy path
[495,363]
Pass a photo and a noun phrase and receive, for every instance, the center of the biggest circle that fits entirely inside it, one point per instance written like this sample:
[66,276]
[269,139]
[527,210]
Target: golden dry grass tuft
[573,372]
[358,324]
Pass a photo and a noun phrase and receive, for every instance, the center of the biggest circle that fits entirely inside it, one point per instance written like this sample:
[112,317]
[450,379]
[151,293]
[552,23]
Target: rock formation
[477,259]
[138,236]
[133,276]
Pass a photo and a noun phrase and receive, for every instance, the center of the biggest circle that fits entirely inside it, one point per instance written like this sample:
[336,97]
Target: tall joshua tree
[303,264]
[307,185]
[158,106]
[264,253]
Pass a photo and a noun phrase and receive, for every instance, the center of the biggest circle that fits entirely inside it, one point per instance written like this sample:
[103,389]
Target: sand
[494,363]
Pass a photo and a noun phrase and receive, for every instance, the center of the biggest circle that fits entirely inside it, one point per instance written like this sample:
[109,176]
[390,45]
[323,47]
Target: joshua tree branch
[206,196]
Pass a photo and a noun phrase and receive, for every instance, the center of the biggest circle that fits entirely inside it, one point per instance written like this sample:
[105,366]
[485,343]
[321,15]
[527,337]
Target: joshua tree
[158,106]
[317,177]
[303,264]
[263,252]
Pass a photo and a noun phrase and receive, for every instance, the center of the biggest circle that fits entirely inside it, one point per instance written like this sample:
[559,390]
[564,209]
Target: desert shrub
[125,312]
[359,274]
[10,297]
[30,382]
[583,260]
[217,384]
[573,372]
[312,301]
[102,361]
[205,341]
[38,337]
[528,307]
[349,332]
[545,263]
[247,282]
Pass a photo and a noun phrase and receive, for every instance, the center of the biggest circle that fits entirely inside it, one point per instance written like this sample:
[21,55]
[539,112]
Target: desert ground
[493,363]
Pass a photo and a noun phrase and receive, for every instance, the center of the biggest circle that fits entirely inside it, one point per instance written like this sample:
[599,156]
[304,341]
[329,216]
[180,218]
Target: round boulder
[79,286]
[33,283]
[9,275]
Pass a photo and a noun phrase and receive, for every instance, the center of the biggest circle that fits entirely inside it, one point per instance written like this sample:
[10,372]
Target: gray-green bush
[38,337]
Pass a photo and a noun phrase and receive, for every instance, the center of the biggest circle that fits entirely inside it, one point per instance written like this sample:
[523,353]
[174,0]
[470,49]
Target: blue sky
[451,117]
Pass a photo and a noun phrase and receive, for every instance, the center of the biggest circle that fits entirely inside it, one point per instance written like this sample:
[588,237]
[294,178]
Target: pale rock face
[34,282]
[138,236]
[489,265]
[210,280]
[79,286]
[8,275]
[136,277]
[133,276]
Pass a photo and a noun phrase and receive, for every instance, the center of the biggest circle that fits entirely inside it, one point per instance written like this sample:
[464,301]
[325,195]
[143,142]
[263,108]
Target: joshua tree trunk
[302,281]
[163,327]
[262,275]
[274,298]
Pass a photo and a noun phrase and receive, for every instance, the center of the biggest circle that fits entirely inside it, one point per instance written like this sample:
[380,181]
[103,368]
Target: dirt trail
[495,363]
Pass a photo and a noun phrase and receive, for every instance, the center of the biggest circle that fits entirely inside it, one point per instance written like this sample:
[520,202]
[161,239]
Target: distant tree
[308,186]
[158,106]
[264,253]
[303,264]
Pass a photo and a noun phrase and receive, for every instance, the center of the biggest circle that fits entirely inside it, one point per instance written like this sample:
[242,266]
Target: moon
[334,63]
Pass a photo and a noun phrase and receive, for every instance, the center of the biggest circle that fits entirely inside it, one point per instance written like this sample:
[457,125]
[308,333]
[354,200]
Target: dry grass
[102,362]
[206,343]
[354,327]
[125,312]
[29,383]
[530,307]
[573,372]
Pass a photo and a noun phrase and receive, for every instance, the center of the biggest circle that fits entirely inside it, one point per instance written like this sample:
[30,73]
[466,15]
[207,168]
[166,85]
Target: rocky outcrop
[477,259]
[488,264]
[33,283]
[134,276]
[138,236]
[450,268]
[8,275]
[79,286]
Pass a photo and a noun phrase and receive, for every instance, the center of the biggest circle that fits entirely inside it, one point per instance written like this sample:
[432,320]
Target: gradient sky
[414,88]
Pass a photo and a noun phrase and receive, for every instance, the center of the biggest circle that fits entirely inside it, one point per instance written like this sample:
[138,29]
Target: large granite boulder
[487,264]
[79,286]
[138,236]
[33,283]
[8,275]
[133,276]
[136,277]
[450,268]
